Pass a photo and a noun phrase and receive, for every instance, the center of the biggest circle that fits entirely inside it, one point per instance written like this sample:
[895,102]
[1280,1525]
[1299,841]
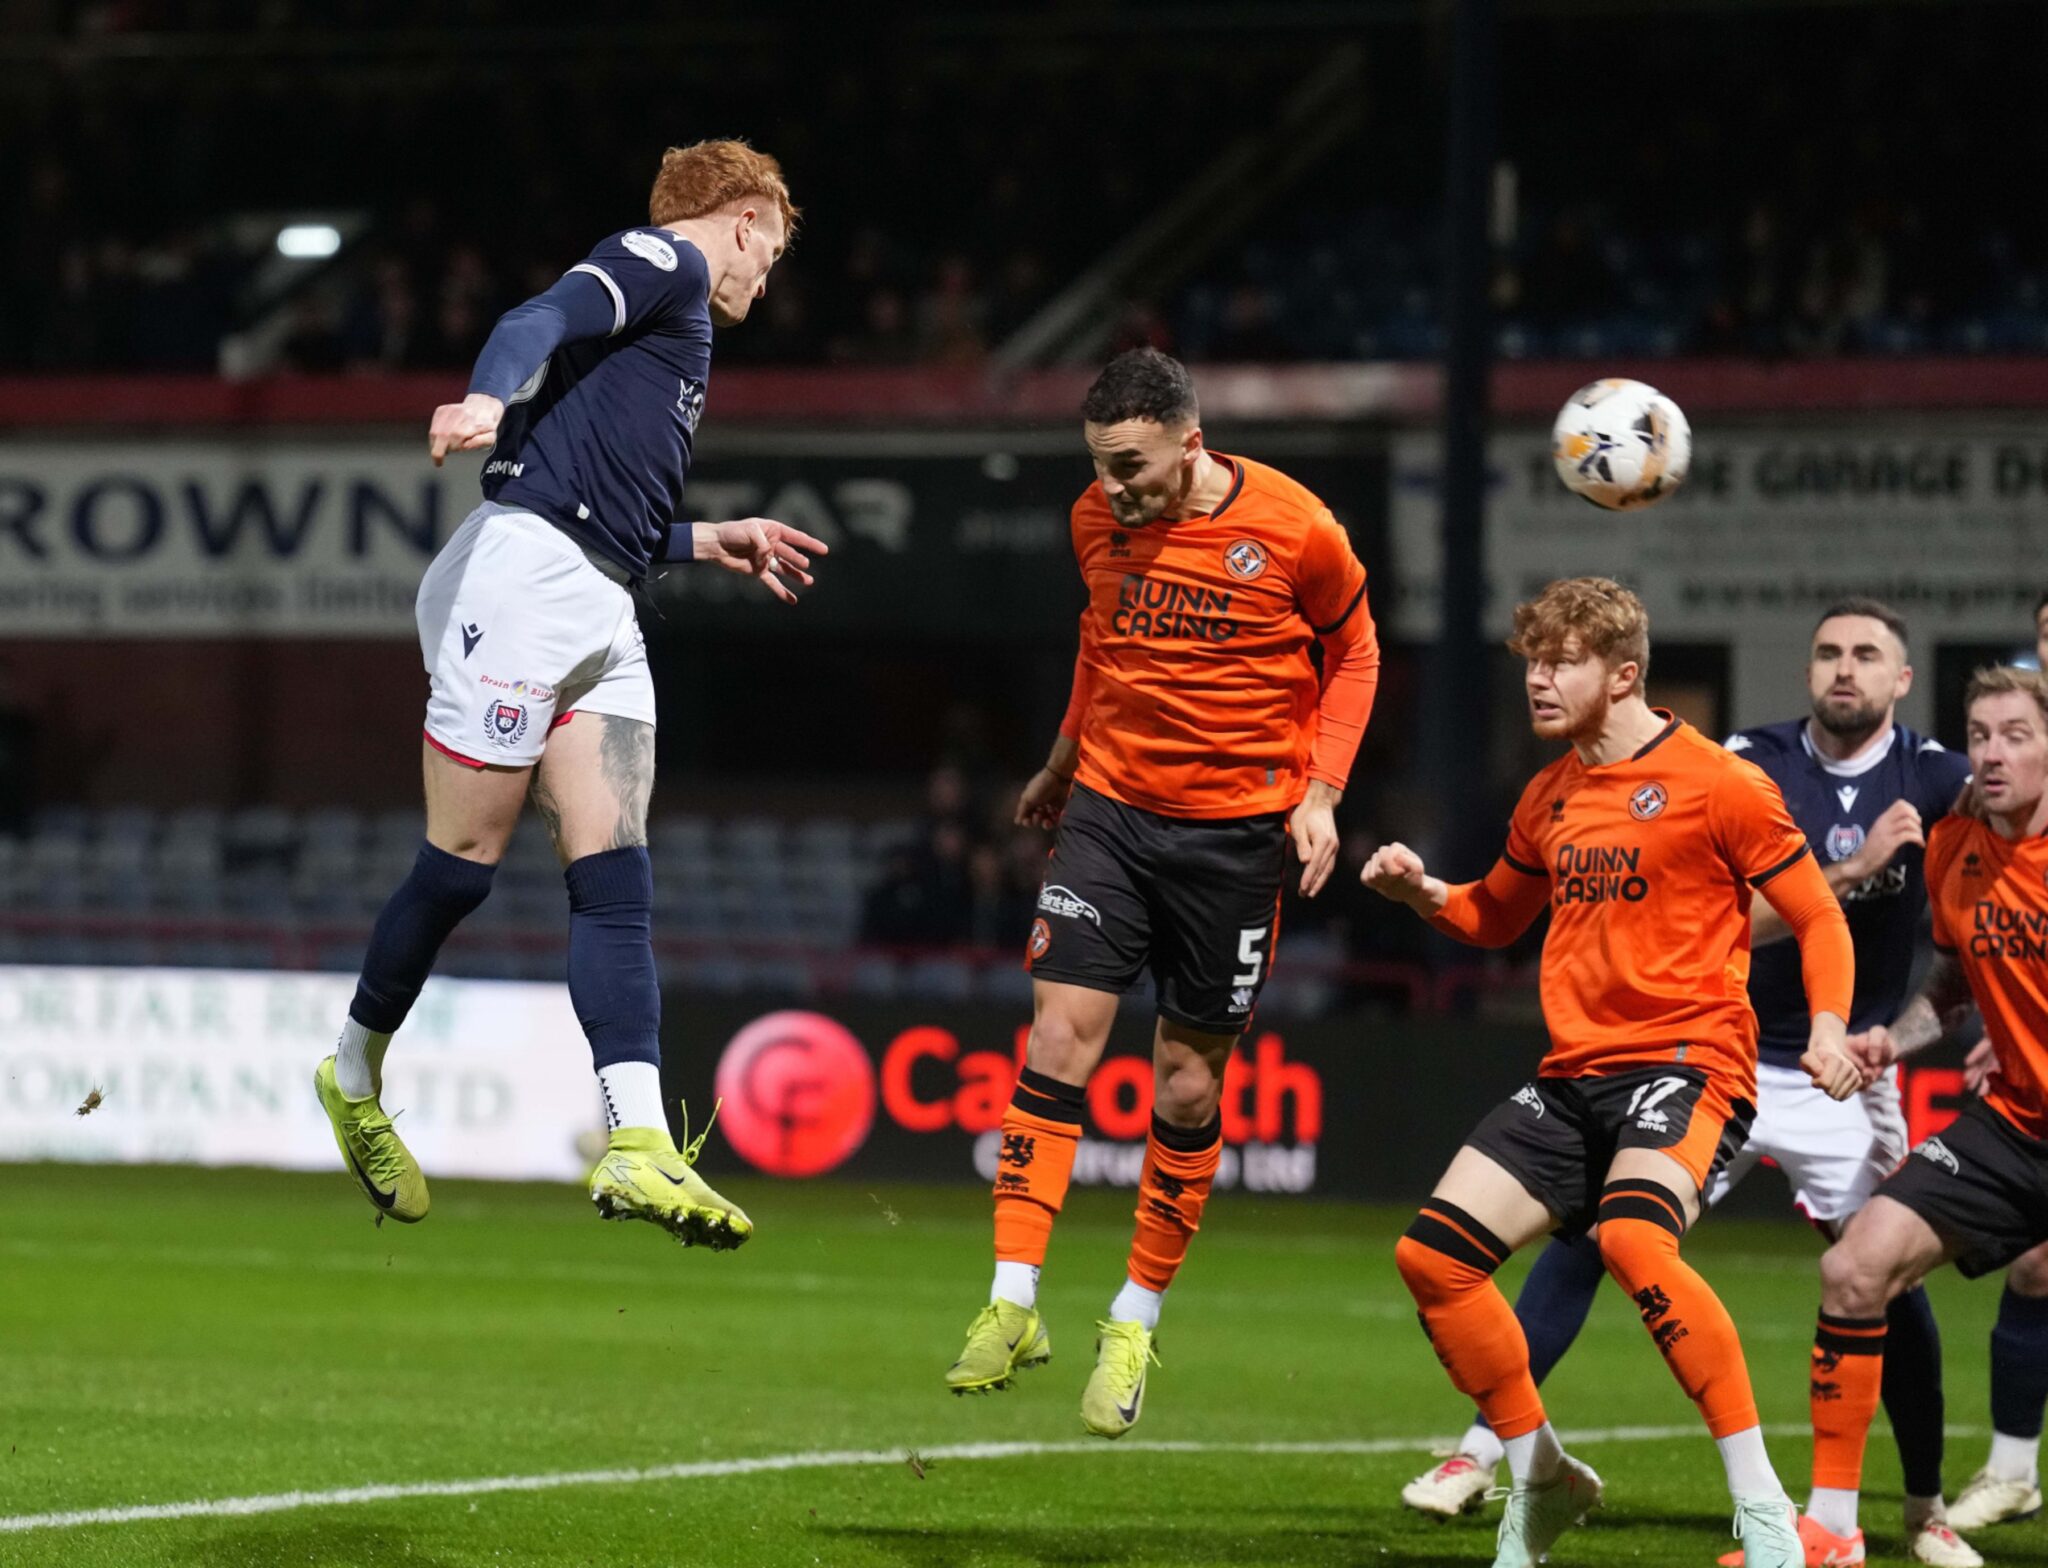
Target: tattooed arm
[1921,1021]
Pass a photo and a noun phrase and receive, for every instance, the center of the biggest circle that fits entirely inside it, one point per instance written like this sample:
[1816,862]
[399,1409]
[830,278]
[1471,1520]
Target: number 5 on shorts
[1250,950]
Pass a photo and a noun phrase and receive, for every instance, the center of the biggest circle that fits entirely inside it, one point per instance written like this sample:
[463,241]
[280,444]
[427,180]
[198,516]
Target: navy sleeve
[649,274]
[573,310]
[678,545]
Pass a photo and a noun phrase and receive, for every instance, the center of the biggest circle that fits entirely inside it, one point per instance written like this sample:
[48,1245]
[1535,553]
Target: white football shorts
[520,630]
[1833,1152]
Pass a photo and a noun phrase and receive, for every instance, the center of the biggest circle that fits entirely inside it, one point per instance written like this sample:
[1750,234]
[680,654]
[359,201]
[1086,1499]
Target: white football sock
[1015,1282]
[1480,1442]
[1535,1456]
[1749,1467]
[359,1061]
[2014,1458]
[1135,1304]
[632,1096]
[1833,1509]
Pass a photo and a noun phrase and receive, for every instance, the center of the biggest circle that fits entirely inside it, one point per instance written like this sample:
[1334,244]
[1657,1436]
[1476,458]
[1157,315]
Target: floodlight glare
[308,241]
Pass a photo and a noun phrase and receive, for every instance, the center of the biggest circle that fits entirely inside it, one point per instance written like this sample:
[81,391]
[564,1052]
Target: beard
[1846,720]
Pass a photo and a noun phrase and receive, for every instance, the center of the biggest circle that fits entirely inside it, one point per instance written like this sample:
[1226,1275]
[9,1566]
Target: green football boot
[1115,1395]
[644,1176]
[384,1167]
[1003,1339]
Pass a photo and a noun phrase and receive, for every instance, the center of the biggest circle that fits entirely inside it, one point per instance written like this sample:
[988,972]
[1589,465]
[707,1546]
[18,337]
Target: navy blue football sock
[431,902]
[2019,1364]
[611,955]
[1912,1390]
[1555,1299]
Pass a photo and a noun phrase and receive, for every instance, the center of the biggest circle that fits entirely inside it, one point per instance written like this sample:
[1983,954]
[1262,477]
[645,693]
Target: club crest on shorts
[505,723]
[1937,1151]
[1647,802]
[1528,1098]
[1041,939]
[1844,839]
[1246,558]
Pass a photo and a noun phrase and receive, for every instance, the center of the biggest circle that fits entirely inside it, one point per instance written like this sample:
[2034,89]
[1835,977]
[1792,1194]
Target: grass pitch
[171,1336]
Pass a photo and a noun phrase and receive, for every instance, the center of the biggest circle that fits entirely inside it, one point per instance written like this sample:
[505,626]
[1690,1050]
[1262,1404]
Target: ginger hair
[708,177]
[1597,613]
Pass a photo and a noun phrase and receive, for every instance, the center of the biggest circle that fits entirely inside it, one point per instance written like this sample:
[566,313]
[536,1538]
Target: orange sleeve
[1329,582]
[1752,826]
[1942,840]
[1330,588]
[1494,911]
[1084,675]
[1827,957]
[1351,678]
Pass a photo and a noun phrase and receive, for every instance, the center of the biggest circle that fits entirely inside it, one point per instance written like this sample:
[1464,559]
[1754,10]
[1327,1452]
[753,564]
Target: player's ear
[1905,682]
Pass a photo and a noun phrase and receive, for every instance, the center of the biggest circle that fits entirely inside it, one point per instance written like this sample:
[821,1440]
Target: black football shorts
[1197,902]
[1982,1184]
[1558,1136]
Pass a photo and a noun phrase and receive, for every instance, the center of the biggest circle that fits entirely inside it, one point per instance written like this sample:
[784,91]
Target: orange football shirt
[1651,864]
[1989,896]
[1195,695]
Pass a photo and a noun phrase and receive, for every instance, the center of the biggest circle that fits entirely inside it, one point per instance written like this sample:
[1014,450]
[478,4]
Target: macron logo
[472,634]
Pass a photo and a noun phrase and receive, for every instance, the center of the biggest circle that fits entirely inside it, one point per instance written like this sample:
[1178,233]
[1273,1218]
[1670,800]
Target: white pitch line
[712,1469]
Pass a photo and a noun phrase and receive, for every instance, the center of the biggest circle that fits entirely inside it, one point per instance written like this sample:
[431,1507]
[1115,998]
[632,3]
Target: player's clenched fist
[1898,826]
[1833,1071]
[1395,871]
[1043,800]
[468,426]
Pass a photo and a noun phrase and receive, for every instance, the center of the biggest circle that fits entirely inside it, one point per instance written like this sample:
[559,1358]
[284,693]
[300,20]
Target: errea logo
[652,249]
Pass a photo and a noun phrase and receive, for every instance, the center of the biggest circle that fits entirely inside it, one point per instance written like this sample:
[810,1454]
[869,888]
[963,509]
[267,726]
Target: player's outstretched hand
[1314,827]
[1873,1051]
[1979,1065]
[468,426]
[1044,798]
[1395,871]
[1898,826]
[762,548]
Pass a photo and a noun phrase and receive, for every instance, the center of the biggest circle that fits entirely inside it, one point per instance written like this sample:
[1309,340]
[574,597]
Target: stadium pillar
[1459,723]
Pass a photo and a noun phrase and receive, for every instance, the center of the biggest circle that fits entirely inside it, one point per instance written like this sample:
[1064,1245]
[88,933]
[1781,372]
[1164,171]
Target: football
[1621,444]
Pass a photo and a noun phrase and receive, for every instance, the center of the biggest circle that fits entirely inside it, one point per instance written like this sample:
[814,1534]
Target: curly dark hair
[1142,383]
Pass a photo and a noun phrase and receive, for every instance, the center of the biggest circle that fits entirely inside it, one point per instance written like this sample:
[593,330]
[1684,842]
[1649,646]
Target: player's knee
[1641,1222]
[1444,1253]
[1058,1049]
[1855,1280]
[1422,1269]
[2028,1275]
[1186,1094]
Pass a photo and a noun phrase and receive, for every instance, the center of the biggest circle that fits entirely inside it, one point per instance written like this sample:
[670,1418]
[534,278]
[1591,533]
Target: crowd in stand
[1739,203]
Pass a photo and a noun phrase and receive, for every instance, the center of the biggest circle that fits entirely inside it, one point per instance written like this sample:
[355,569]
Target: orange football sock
[1041,1131]
[1640,1225]
[1180,1167]
[1848,1374]
[1447,1260]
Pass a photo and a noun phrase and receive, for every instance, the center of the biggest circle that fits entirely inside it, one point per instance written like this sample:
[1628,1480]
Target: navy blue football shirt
[603,379]
[1835,805]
